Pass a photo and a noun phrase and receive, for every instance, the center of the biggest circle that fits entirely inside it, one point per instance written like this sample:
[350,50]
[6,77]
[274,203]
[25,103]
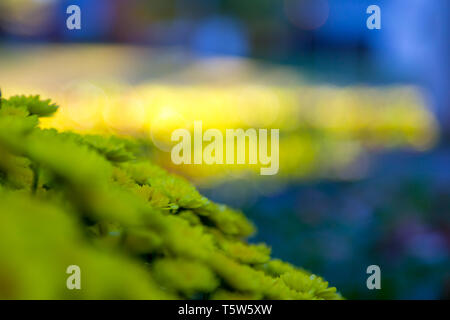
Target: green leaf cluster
[135,230]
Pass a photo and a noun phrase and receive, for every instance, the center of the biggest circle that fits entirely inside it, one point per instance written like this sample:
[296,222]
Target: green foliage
[136,231]
[33,104]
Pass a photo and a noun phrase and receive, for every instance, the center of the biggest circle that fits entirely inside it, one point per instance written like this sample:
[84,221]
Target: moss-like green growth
[135,231]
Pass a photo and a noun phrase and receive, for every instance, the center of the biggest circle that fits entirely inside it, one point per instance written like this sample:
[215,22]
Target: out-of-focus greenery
[135,230]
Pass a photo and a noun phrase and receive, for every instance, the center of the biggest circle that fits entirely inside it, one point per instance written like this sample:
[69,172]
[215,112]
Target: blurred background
[363,114]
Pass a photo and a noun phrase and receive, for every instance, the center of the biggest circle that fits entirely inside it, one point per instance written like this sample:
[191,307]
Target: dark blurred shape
[307,14]
[26,18]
